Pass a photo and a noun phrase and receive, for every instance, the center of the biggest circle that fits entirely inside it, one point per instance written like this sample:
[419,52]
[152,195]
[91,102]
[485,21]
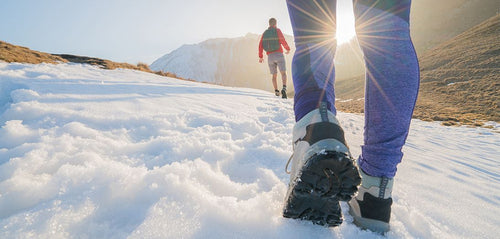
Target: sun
[345,22]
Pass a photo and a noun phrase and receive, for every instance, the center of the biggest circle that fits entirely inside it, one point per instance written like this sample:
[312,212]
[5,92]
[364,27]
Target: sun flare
[345,22]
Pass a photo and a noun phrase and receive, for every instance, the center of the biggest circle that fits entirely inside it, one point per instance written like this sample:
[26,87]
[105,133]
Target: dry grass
[13,53]
[350,94]
[460,80]
[461,77]
[105,64]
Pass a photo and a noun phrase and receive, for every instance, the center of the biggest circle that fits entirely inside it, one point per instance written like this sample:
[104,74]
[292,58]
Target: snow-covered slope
[91,153]
[185,62]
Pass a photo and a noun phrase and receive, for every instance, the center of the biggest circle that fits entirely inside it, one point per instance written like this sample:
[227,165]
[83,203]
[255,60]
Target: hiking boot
[323,171]
[283,93]
[371,208]
[277,92]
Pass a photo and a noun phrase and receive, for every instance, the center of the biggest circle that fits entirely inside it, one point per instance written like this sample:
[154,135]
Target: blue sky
[132,30]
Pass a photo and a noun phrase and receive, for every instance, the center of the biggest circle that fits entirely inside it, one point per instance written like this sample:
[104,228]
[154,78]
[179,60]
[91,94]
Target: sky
[131,30]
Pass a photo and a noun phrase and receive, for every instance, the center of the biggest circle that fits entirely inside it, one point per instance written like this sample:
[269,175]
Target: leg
[283,78]
[273,69]
[275,81]
[392,82]
[322,170]
[282,68]
[283,90]
[313,72]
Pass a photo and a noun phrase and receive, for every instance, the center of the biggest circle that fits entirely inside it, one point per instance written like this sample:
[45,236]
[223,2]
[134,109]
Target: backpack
[270,41]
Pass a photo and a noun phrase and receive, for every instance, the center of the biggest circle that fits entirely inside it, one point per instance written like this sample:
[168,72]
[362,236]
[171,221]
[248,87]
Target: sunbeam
[345,22]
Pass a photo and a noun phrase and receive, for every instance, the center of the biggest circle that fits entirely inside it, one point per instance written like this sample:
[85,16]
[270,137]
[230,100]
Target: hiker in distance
[323,171]
[272,41]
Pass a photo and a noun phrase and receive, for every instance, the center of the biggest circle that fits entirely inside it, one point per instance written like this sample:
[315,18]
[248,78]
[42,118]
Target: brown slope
[461,77]
[436,21]
[350,93]
[13,53]
[106,64]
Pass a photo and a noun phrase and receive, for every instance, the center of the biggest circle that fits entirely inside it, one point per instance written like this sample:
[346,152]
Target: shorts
[276,60]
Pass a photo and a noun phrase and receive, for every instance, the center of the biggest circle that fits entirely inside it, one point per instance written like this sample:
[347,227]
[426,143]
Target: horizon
[133,32]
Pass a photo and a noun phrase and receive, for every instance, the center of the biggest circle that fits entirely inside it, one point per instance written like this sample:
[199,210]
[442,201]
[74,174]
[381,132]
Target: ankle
[380,187]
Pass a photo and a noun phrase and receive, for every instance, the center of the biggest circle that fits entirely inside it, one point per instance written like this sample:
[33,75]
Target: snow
[92,153]
[205,61]
[185,60]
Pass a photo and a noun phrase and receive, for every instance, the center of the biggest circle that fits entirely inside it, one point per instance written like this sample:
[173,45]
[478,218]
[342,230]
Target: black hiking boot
[371,208]
[323,171]
[283,93]
[277,92]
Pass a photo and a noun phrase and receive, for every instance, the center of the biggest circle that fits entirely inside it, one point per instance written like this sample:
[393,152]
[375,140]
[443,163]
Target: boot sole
[326,179]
